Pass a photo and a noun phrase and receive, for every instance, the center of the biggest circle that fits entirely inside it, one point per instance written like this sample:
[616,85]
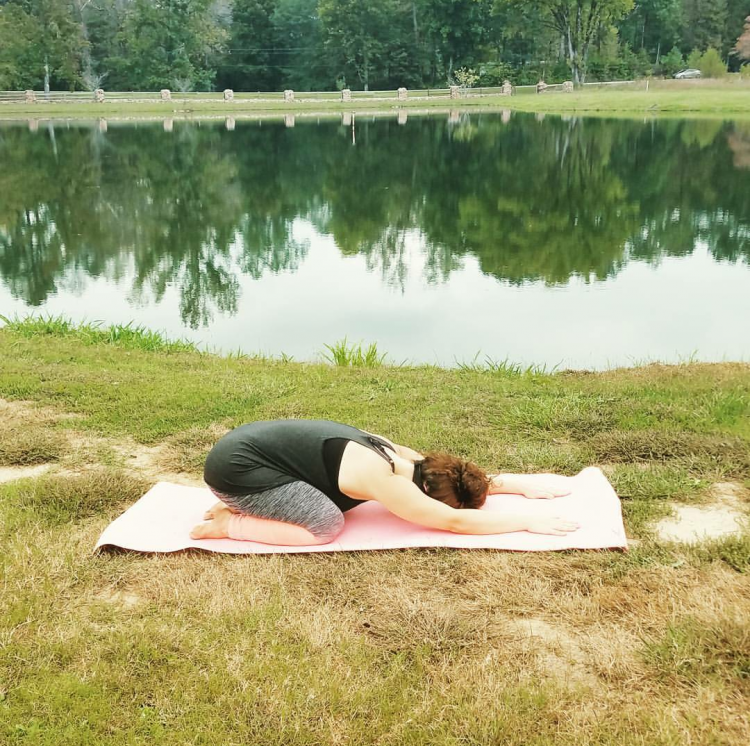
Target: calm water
[572,242]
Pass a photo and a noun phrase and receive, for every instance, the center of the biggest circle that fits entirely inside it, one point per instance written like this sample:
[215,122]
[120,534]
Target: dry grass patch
[187,451]
[730,455]
[57,500]
[26,436]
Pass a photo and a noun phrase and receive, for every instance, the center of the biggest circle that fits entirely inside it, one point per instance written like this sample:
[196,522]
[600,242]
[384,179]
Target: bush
[694,60]
[672,63]
[711,65]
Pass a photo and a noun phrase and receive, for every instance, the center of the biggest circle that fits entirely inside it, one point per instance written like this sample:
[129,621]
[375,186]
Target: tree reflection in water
[196,208]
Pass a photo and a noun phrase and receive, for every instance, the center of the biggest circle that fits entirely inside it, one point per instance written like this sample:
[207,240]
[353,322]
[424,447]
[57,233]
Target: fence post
[346,95]
[99,96]
[568,86]
[541,87]
[455,91]
[402,94]
[166,94]
[507,88]
[30,97]
[229,94]
[288,95]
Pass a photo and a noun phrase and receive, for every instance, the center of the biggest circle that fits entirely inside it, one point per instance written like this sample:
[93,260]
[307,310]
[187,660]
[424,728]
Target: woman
[290,481]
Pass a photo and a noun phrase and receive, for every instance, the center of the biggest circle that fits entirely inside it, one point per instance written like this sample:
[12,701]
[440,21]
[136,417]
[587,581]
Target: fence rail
[57,97]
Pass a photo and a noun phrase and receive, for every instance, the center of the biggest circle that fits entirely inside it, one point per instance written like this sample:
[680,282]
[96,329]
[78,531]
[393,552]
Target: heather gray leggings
[298,503]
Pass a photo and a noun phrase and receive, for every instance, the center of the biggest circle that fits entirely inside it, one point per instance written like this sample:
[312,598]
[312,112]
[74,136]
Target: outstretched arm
[407,501]
[534,486]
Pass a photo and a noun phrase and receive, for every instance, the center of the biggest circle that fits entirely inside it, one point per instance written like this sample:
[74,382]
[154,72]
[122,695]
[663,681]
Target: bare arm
[535,486]
[404,499]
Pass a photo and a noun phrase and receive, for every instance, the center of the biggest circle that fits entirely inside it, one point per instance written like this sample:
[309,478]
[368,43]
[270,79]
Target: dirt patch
[724,516]
[119,598]
[558,651]
[12,473]
[146,462]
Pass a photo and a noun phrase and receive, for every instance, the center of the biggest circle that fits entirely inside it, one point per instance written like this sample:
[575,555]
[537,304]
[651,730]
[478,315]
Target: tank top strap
[379,446]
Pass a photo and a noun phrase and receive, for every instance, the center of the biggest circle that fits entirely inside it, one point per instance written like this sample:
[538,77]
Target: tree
[711,64]
[358,38]
[20,55]
[579,22]
[704,22]
[250,64]
[742,47]
[672,62]
[162,43]
[296,28]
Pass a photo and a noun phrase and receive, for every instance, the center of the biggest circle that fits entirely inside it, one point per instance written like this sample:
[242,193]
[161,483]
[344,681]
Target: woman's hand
[552,526]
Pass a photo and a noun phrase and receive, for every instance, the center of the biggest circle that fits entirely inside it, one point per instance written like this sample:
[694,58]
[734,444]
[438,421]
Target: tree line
[263,45]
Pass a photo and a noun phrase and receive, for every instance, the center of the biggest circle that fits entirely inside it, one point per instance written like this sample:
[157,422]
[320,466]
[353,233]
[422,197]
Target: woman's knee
[327,530]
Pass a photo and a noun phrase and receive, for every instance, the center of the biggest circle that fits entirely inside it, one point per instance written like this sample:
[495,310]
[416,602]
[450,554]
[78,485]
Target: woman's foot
[216,509]
[218,528]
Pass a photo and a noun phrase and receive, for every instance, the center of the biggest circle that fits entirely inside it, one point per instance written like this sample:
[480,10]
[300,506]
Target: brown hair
[453,481]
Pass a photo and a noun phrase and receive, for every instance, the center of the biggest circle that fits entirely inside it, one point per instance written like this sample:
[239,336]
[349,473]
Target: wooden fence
[65,97]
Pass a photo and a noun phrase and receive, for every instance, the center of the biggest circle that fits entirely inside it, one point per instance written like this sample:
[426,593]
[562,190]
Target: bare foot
[216,509]
[215,529]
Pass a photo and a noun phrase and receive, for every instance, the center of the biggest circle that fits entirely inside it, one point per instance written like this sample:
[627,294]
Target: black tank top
[262,455]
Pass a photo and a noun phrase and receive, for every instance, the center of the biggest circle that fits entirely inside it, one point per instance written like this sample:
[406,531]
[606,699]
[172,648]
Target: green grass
[388,648]
[94,333]
[347,354]
[714,98]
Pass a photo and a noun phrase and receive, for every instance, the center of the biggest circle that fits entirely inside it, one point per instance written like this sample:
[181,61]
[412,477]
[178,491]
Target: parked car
[689,73]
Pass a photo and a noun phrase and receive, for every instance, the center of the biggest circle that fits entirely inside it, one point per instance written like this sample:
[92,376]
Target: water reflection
[196,206]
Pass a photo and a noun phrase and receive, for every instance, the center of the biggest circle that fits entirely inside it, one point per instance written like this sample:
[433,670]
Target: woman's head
[453,481]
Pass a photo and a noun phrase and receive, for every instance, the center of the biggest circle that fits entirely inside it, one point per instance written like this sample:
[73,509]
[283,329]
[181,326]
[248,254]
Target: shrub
[711,65]
[672,62]
[694,60]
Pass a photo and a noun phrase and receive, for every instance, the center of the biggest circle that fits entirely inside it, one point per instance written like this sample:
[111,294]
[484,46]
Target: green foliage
[122,335]
[166,44]
[672,63]
[694,59]
[20,62]
[356,356]
[711,65]
[267,45]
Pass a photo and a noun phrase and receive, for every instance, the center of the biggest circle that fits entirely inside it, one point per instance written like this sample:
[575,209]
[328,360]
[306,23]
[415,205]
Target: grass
[715,98]
[395,647]
[94,333]
[348,354]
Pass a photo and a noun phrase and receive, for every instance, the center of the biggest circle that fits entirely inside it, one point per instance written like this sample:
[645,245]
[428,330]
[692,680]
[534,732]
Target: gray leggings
[298,503]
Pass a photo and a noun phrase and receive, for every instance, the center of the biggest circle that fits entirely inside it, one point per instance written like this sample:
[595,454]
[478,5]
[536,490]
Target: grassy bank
[416,647]
[704,97]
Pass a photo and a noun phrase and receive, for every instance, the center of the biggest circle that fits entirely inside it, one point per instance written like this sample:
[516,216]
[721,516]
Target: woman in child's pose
[291,481]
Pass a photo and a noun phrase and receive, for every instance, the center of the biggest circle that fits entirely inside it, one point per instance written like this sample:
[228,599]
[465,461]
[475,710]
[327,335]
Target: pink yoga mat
[162,519]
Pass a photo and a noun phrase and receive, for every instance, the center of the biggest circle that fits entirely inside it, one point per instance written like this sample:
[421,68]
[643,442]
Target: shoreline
[731,100]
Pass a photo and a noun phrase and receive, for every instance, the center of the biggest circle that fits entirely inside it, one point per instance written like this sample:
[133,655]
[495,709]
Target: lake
[554,241]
